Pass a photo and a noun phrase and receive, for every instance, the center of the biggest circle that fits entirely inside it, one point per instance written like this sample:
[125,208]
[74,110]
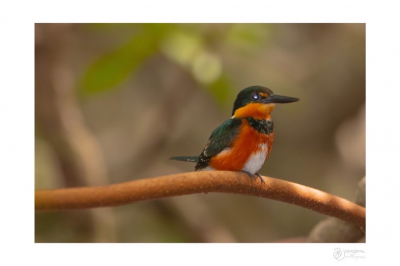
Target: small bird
[243,142]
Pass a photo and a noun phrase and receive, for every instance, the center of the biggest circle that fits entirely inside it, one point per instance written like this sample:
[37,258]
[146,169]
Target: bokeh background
[113,102]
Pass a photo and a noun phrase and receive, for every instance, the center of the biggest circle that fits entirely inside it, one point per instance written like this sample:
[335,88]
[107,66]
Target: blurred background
[113,102]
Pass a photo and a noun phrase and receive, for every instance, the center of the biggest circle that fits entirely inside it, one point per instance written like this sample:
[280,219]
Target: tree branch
[200,182]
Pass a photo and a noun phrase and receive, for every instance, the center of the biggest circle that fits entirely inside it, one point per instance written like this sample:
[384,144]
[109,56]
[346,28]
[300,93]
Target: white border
[17,150]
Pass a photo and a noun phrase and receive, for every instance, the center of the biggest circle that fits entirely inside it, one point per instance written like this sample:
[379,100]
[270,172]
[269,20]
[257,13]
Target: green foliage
[248,38]
[115,66]
[221,89]
[185,44]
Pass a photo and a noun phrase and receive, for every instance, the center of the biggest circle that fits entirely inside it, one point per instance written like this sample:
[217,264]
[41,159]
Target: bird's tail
[193,159]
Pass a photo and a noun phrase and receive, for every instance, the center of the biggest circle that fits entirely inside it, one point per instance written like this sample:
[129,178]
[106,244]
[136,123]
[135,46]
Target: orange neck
[255,110]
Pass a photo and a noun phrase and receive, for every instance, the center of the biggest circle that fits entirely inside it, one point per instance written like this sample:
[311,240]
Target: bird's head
[257,102]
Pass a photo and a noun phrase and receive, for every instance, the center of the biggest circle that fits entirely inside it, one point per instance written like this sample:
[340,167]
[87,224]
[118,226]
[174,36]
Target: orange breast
[242,148]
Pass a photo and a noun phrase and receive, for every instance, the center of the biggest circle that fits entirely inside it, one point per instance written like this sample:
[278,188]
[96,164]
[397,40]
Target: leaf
[114,67]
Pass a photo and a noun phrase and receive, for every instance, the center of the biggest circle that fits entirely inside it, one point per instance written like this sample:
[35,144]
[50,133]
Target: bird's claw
[252,175]
[262,180]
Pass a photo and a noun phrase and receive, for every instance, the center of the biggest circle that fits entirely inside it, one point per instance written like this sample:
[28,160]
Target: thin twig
[200,182]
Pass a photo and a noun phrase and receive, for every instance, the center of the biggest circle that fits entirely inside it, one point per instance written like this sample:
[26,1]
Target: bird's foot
[253,175]
[262,180]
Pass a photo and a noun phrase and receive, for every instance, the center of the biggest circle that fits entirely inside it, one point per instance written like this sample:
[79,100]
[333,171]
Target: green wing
[221,138]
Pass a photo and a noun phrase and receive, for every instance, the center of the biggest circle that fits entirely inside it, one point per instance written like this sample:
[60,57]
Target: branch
[200,182]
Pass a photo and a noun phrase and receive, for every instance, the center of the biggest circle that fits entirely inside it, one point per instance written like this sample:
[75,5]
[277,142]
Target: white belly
[256,160]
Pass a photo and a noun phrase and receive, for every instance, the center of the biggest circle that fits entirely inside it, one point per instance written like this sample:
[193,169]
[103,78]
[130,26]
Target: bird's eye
[255,96]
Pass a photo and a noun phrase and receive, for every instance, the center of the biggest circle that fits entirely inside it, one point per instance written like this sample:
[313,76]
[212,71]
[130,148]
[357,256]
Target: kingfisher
[244,141]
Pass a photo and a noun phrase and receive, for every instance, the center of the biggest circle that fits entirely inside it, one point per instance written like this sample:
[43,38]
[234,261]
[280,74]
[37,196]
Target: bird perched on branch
[243,142]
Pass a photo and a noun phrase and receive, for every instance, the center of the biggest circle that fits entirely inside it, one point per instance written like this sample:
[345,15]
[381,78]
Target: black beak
[280,99]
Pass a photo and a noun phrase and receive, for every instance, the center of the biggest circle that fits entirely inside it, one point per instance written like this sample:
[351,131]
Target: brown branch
[200,182]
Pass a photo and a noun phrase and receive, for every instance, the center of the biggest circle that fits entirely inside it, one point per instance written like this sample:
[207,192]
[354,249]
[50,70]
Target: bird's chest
[262,134]
[249,150]
[256,158]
